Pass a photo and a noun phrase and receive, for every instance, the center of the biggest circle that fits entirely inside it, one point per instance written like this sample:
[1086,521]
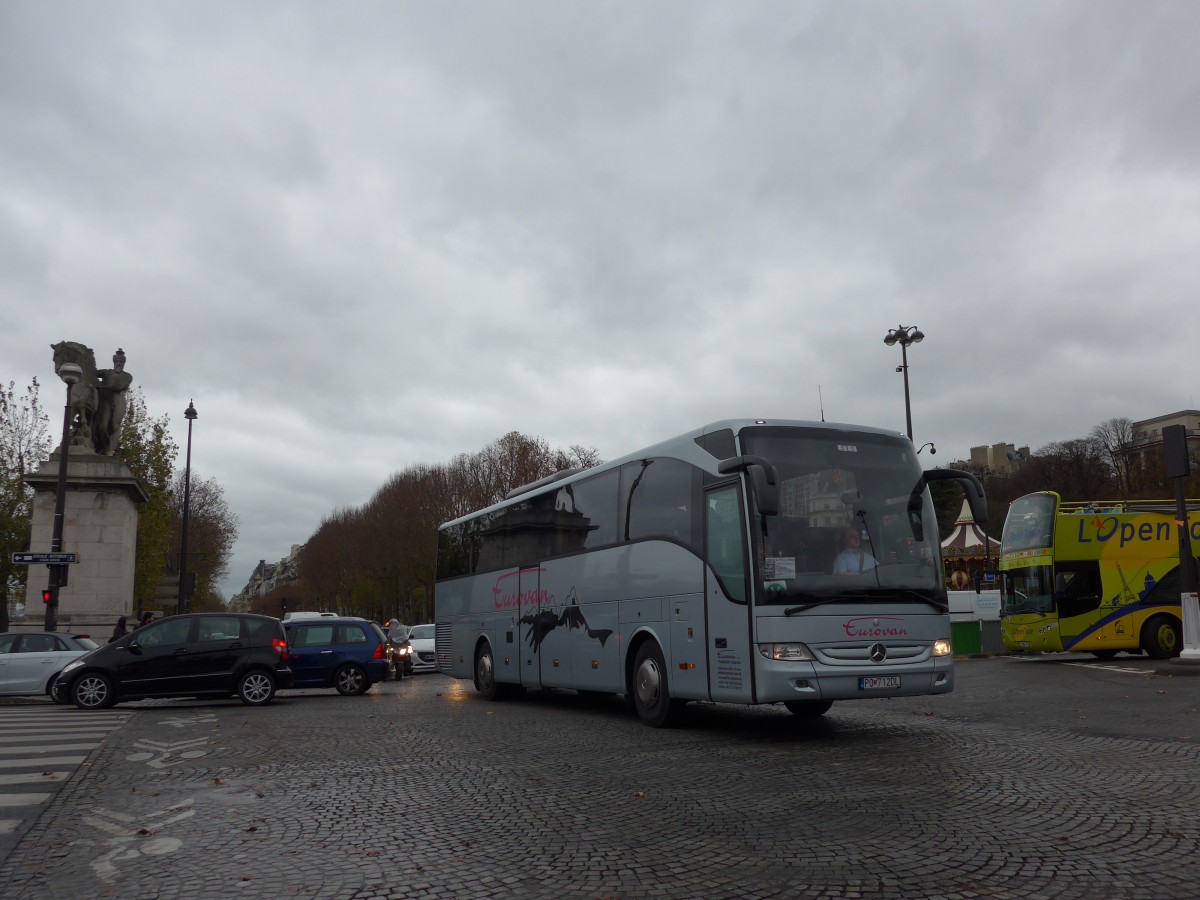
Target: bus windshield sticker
[779,567]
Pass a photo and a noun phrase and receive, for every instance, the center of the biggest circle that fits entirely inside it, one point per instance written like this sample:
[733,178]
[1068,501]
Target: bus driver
[851,558]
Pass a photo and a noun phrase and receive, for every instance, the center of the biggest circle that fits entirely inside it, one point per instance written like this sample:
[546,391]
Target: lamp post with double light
[905,335]
[184,587]
[70,374]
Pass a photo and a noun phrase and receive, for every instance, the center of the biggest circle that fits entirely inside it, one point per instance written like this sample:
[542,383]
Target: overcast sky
[366,235]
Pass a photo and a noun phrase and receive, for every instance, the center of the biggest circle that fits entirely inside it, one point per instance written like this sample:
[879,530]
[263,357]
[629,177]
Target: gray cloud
[370,235]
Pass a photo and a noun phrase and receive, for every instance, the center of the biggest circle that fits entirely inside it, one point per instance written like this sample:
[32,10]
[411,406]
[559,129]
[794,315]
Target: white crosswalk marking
[41,746]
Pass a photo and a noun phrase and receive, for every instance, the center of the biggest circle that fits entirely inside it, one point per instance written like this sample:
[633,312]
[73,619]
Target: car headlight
[73,664]
[941,647]
[786,652]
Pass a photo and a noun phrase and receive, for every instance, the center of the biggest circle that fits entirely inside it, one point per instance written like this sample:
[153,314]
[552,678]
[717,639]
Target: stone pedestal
[100,525]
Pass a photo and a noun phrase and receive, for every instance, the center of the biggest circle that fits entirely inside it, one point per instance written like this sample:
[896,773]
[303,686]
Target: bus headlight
[942,647]
[786,652]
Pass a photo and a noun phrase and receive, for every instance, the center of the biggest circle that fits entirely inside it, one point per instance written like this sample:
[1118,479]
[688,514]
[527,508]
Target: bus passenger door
[726,586]
[1077,597]
[535,625]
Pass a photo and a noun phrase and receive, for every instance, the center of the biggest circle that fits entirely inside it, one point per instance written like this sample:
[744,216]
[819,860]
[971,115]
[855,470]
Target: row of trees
[377,560]
[146,446]
[1106,464]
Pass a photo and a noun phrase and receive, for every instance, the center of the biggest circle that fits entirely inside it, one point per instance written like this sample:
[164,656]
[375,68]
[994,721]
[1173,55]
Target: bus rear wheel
[1160,637]
[651,696]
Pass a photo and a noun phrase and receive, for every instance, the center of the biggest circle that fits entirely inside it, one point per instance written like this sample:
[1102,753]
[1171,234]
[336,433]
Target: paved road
[41,746]
[1036,778]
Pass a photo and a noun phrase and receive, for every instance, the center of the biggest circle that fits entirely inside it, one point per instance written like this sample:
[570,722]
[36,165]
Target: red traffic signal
[47,594]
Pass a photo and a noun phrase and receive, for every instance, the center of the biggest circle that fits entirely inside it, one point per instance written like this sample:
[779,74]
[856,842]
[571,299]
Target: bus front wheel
[808,709]
[651,696]
[1160,637]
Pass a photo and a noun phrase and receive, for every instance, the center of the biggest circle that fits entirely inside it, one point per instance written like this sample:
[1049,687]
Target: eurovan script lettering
[510,596]
[875,627]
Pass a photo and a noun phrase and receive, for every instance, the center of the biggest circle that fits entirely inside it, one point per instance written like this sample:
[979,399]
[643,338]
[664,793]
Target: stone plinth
[100,525]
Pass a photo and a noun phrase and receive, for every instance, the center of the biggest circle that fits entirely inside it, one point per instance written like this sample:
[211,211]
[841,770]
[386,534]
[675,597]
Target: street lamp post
[190,415]
[70,374]
[905,335]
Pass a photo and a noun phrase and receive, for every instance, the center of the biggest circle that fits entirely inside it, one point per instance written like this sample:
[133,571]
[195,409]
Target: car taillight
[380,652]
[280,646]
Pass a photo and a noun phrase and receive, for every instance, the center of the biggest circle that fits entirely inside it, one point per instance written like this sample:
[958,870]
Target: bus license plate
[878,682]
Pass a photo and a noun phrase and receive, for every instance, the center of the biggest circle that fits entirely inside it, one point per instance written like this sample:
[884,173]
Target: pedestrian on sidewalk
[119,631]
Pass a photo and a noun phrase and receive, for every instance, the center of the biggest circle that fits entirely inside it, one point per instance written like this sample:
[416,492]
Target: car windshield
[86,643]
[854,517]
[421,633]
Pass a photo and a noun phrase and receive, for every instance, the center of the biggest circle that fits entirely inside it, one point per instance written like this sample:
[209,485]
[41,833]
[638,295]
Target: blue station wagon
[348,653]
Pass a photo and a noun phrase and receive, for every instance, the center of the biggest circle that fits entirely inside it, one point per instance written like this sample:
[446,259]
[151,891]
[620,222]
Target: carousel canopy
[968,539]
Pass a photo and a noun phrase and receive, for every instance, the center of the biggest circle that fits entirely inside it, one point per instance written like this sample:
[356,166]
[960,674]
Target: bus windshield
[854,517]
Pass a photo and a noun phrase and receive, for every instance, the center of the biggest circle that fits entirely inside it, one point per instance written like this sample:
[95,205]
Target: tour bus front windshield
[855,518]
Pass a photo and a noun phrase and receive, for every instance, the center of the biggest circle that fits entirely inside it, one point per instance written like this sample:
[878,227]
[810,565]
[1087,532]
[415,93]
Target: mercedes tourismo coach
[718,566]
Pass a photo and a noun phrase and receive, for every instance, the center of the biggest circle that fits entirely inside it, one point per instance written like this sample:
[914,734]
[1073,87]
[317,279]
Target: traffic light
[47,595]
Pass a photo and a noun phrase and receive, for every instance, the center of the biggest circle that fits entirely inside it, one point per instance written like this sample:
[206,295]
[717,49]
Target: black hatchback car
[200,655]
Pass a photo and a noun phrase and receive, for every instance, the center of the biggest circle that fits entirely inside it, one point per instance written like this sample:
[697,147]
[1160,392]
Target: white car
[31,660]
[424,656]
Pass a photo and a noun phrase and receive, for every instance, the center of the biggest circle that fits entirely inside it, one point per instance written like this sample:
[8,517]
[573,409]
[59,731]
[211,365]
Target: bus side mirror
[766,491]
[764,480]
[971,486]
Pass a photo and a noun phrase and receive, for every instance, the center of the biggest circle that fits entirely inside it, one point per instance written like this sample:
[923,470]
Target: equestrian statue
[97,400]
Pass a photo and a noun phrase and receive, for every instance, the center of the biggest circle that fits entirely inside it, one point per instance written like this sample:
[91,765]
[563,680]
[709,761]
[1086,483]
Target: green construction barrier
[965,638]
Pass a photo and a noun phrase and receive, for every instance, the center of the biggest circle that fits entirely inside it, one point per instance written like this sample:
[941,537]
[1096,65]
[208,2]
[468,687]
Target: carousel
[968,552]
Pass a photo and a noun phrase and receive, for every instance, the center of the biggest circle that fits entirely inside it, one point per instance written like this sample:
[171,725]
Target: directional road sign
[52,559]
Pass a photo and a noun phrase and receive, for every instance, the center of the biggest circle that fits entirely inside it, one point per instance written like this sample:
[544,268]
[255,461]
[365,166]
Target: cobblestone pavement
[1029,781]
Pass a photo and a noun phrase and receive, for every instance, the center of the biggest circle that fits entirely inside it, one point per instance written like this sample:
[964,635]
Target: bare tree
[1077,469]
[212,532]
[1115,436]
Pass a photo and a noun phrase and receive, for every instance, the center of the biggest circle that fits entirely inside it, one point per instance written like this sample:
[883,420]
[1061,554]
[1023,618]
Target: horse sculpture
[84,398]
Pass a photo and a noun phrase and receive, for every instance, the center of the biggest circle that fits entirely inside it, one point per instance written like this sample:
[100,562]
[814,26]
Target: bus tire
[485,674]
[651,694]
[1160,637]
[808,709]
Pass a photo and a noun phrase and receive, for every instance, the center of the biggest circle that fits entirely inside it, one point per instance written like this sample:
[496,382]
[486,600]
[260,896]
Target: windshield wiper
[815,601]
[881,594]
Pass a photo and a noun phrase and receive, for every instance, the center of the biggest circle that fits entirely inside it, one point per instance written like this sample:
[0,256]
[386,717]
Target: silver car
[31,660]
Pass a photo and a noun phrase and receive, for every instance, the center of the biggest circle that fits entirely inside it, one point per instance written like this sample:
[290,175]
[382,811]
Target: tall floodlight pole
[70,374]
[905,335]
[190,415]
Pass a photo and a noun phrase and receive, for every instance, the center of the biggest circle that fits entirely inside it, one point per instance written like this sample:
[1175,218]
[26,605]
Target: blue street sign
[50,559]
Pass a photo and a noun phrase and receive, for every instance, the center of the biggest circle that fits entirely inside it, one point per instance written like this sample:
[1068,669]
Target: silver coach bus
[749,561]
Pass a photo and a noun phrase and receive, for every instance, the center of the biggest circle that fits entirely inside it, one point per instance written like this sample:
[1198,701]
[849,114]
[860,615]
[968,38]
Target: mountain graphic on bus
[542,623]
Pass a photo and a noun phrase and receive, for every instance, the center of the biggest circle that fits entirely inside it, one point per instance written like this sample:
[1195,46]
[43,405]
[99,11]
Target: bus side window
[1077,588]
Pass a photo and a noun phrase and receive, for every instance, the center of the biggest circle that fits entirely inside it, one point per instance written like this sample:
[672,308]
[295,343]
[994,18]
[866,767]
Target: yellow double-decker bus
[1092,577]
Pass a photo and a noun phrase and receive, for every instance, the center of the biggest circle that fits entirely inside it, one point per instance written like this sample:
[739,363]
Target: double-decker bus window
[723,542]
[1028,590]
